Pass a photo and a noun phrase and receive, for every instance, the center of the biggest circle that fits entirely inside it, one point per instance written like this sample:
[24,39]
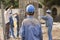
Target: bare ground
[55,33]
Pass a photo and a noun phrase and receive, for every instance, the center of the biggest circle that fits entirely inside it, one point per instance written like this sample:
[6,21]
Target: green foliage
[56,2]
[10,2]
[16,4]
[51,2]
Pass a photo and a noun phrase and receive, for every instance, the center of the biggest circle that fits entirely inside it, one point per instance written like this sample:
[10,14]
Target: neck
[29,16]
[48,14]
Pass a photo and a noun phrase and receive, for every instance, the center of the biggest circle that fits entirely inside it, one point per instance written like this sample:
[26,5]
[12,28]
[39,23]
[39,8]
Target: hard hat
[48,11]
[30,8]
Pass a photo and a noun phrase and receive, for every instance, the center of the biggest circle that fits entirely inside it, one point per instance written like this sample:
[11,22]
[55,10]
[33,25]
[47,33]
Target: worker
[11,24]
[6,17]
[49,22]
[30,28]
[16,22]
[17,17]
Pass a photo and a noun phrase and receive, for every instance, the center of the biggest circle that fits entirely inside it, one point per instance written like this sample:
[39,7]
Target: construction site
[21,11]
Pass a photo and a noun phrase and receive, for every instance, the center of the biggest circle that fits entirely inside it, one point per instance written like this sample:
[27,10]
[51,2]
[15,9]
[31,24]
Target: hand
[11,6]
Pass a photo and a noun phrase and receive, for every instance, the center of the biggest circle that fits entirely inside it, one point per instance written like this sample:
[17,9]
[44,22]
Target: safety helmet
[30,8]
[48,11]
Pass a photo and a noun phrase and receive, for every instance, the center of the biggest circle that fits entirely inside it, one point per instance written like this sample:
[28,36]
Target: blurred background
[41,7]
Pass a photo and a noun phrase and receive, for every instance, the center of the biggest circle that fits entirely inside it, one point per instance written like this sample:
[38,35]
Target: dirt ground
[55,32]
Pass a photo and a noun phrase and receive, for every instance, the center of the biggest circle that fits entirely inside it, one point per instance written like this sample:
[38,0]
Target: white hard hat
[48,11]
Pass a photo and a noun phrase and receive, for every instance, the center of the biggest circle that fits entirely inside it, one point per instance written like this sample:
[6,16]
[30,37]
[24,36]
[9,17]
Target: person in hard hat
[49,23]
[30,28]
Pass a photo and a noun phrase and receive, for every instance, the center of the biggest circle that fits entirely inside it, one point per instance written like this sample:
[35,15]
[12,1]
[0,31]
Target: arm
[44,17]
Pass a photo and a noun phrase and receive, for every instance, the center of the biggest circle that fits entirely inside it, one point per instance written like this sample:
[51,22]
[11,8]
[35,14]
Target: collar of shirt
[29,16]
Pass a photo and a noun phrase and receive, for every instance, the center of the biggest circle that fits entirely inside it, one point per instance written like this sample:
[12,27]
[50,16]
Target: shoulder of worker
[24,20]
[33,20]
[36,20]
[5,12]
[49,16]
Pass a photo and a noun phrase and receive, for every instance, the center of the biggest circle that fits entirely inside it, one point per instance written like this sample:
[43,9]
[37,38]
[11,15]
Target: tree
[46,4]
[49,3]
[6,3]
[55,2]
[0,2]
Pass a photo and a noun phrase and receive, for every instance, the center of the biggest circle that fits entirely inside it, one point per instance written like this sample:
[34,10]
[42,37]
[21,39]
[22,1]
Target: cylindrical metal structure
[23,4]
[3,21]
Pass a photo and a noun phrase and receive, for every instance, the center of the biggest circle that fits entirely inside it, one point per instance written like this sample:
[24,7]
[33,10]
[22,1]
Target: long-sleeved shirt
[31,29]
[7,15]
[48,19]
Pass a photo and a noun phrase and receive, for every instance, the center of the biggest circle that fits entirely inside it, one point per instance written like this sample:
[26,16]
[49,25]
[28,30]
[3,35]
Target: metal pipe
[3,20]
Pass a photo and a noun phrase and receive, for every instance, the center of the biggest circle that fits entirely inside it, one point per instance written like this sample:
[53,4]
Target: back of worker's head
[48,11]
[30,9]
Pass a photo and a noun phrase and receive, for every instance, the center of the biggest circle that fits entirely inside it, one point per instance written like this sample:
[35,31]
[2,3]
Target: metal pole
[3,21]
[19,16]
[21,11]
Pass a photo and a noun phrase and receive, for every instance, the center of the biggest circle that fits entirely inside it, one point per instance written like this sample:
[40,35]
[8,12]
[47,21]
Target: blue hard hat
[30,8]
